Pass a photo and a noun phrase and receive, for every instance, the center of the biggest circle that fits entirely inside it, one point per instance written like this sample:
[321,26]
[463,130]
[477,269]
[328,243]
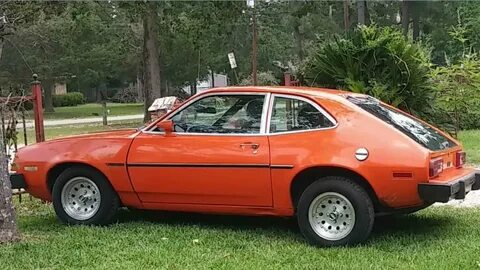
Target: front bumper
[17,180]
[453,190]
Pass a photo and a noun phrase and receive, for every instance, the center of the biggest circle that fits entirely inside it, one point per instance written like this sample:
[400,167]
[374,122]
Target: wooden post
[104,110]
[287,78]
[38,109]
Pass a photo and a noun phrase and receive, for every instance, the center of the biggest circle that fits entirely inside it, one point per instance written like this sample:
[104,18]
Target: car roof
[304,91]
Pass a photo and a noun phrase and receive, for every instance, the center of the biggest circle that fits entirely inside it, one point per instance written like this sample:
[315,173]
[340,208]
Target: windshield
[418,131]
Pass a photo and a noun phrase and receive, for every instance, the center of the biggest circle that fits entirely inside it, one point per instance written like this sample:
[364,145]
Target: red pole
[38,109]
[287,78]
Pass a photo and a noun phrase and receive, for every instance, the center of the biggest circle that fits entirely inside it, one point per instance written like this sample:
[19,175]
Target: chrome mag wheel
[331,216]
[80,198]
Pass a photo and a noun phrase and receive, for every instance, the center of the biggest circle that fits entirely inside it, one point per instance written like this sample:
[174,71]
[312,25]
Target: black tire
[109,202]
[359,199]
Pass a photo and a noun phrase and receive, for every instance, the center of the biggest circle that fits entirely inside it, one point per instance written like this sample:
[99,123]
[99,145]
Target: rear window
[418,131]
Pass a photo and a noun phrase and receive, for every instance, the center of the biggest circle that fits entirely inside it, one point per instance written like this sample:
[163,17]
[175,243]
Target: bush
[263,79]
[374,61]
[68,99]
[456,88]
[127,95]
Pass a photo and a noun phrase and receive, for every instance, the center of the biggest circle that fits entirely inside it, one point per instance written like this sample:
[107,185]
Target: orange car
[331,158]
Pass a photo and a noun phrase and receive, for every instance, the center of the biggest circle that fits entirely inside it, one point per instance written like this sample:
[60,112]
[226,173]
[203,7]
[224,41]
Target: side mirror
[166,126]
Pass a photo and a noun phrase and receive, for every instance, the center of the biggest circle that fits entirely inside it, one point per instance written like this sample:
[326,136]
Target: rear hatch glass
[418,131]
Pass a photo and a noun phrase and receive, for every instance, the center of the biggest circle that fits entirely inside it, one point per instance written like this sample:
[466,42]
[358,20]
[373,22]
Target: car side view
[332,159]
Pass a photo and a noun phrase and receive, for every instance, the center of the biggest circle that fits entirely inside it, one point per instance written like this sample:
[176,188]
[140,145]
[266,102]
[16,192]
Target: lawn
[435,238]
[471,143]
[92,110]
[67,130]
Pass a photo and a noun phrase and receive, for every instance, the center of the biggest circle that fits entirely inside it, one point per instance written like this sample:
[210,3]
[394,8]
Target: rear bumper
[452,190]
[17,180]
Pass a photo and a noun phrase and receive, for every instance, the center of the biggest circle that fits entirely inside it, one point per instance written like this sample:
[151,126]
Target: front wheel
[335,211]
[84,196]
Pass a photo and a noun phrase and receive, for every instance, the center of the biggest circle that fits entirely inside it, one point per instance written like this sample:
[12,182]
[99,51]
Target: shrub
[127,95]
[68,99]
[456,88]
[375,61]
[263,79]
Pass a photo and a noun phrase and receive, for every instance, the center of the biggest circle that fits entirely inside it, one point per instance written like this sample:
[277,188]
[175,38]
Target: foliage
[83,44]
[92,43]
[374,61]
[126,95]
[68,99]
[457,92]
[263,79]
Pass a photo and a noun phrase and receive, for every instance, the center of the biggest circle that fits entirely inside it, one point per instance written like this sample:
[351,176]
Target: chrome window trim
[266,102]
[314,104]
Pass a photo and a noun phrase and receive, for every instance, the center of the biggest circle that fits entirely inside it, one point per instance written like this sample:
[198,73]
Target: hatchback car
[333,159]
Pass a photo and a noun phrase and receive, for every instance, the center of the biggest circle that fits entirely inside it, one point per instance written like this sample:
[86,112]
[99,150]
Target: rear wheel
[335,211]
[84,196]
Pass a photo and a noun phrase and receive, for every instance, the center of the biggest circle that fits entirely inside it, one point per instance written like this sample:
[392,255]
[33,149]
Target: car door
[218,154]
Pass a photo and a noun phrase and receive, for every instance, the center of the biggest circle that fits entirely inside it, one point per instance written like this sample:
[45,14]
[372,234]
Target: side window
[221,114]
[289,114]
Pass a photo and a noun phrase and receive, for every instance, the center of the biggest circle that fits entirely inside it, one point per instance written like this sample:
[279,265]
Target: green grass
[92,110]
[67,130]
[471,143]
[435,238]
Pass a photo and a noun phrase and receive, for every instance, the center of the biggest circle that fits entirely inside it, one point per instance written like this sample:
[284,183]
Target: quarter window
[289,114]
[221,114]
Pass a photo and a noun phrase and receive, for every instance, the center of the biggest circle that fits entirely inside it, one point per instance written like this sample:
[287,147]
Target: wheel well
[55,171]
[306,177]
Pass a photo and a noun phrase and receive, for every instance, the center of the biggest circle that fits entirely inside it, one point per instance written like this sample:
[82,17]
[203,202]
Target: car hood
[100,146]
[111,134]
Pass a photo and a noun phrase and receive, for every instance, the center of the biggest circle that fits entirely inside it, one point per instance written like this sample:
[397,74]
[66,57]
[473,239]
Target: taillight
[436,167]
[460,159]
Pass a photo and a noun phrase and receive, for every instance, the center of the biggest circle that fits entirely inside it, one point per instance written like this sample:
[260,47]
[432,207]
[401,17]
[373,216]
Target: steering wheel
[183,128]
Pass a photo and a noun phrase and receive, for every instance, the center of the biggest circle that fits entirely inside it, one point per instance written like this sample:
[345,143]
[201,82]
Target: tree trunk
[139,86]
[1,47]
[193,88]
[367,14]
[147,96]
[405,17]
[151,46]
[48,93]
[361,6]
[298,40]
[346,14]
[152,85]
[8,225]
[415,21]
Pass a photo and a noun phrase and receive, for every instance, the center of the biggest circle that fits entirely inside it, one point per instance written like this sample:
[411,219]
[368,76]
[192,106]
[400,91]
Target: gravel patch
[471,200]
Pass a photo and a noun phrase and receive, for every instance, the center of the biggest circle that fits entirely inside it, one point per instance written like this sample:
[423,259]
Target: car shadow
[416,227]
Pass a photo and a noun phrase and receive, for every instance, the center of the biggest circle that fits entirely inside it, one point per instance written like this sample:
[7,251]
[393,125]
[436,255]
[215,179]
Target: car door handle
[254,146]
